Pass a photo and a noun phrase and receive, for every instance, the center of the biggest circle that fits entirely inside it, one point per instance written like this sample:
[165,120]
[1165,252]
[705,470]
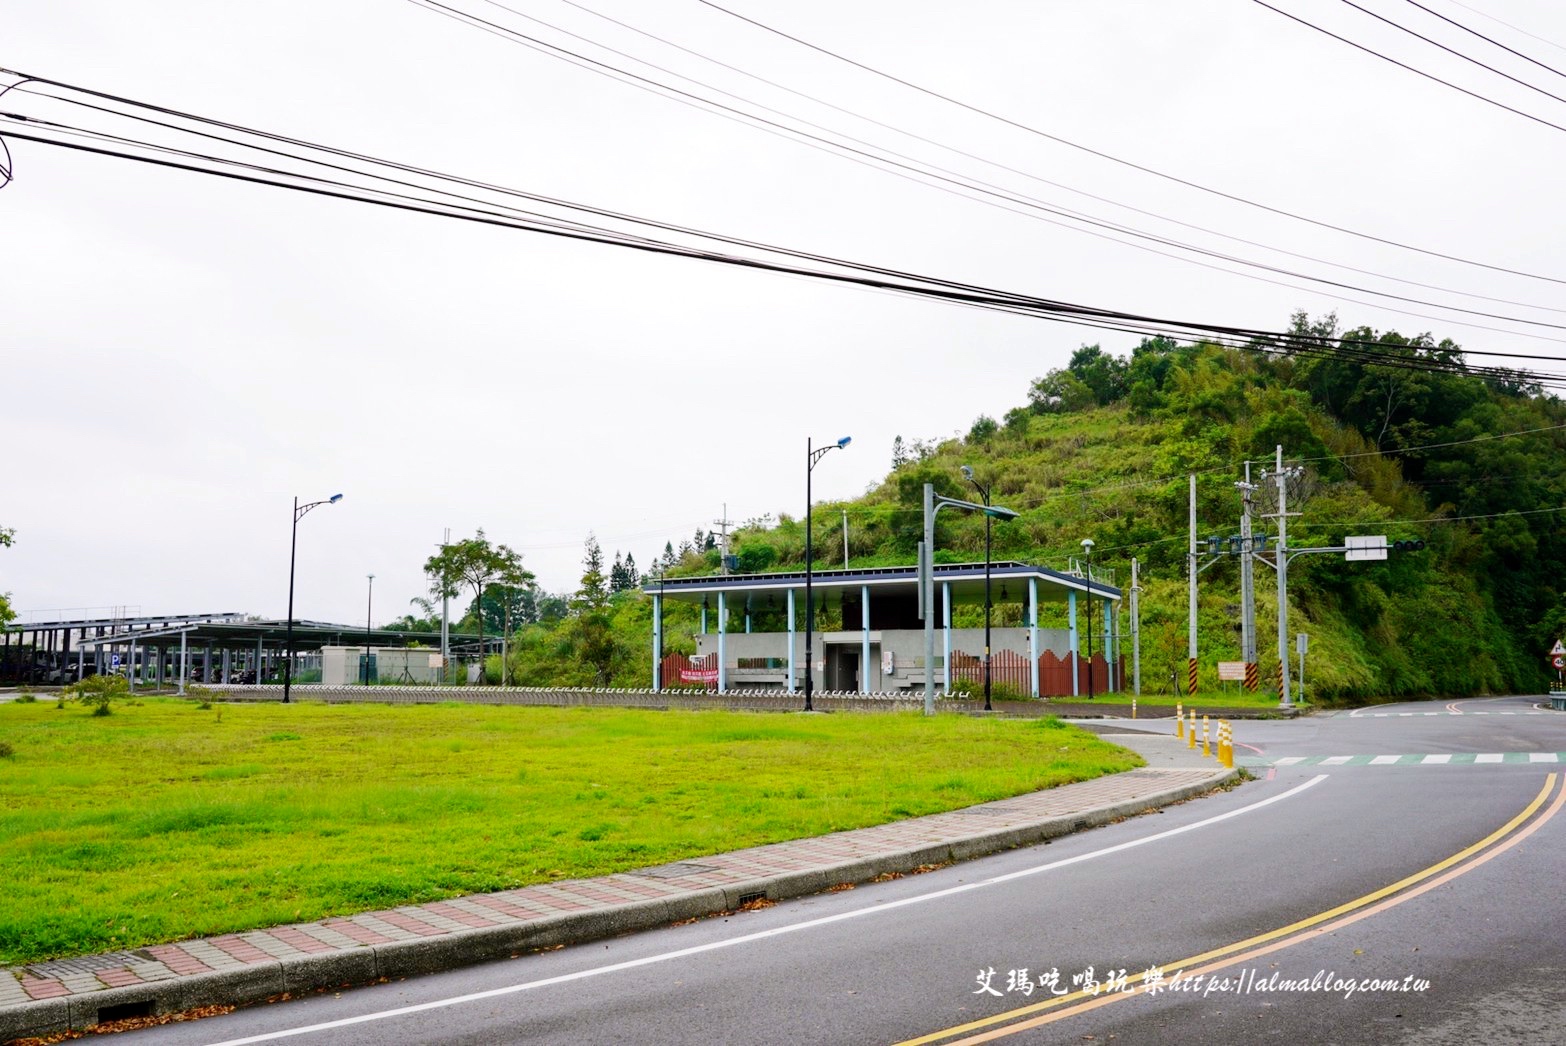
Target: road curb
[259,982]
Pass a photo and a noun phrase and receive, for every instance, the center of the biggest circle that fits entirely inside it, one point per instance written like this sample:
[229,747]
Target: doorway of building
[843,668]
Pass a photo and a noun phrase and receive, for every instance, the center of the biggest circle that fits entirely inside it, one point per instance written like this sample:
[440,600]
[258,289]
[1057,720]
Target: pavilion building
[752,631]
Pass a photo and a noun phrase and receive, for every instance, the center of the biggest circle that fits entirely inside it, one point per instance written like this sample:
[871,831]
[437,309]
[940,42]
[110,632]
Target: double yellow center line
[1064,1006]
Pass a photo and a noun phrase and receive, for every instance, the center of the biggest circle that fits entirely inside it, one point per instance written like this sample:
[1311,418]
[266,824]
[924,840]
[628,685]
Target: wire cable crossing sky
[196,352]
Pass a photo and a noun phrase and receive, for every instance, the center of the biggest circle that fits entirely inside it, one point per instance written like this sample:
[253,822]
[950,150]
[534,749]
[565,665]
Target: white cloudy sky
[181,355]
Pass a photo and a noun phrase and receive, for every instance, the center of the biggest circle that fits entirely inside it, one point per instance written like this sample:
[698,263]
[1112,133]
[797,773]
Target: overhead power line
[1509,25]
[413,194]
[1400,27]
[1413,69]
[873,157]
[1131,164]
[946,180]
[1486,39]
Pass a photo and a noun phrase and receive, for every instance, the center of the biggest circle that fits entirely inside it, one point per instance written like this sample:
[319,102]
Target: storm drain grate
[675,870]
[58,968]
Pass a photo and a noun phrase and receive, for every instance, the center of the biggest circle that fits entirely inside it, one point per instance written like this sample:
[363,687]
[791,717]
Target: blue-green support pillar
[723,648]
[1071,613]
[864,643]
[792,641]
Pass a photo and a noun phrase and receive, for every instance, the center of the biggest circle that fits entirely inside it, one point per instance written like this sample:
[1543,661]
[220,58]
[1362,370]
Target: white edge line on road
[681,953]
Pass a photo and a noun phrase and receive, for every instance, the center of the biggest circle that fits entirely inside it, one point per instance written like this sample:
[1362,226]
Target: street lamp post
[1087,548]
[988,519]
[293,547]
[813,454]
[369,610]
[933,504]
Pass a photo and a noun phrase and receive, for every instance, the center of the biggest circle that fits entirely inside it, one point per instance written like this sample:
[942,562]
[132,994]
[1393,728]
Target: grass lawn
[164,821]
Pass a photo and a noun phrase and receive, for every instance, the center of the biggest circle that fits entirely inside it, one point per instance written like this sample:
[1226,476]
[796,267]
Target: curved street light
[293,546]
[1087,549]
[813,454]
[984,493]
[933,504]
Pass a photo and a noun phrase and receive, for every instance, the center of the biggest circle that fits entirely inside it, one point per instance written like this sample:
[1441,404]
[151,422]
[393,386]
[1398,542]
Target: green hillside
[1102,449]
[1472,465]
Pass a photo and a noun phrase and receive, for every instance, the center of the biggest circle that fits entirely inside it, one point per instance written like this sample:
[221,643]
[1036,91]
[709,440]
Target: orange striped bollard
[1206,749]
[1190,733]
[1226,743]
[1180,719]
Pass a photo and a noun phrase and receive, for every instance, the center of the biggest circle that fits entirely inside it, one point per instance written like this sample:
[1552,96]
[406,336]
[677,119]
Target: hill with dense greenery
[1392,435]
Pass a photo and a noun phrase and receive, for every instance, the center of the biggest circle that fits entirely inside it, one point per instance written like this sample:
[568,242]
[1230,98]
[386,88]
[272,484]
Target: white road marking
[1490,757]
[1444,758]
[1336,760]
[1543,757]
[762,935]
[1384,760]
[1289,760]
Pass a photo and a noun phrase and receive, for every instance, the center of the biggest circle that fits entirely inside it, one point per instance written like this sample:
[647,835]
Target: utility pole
[1136,634]
[445,617]
[725,523]
[845,539]
[1190,665]
[1247,585]
[1282,476]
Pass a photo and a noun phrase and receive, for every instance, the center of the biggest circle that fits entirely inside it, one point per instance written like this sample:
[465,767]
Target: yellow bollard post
[1133,708]
[1225,743]
[1206,750]
[1190,733]
[1180,719]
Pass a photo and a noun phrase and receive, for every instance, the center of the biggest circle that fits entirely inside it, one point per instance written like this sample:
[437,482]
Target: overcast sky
[182,355]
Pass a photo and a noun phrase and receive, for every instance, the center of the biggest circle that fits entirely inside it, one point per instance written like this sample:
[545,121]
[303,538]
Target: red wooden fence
[1006,666]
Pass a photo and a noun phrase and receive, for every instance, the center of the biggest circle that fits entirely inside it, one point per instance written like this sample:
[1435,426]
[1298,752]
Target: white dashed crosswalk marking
[1410,759]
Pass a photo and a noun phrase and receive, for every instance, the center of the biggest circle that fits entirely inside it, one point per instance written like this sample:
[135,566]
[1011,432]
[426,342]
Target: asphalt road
[1202,888]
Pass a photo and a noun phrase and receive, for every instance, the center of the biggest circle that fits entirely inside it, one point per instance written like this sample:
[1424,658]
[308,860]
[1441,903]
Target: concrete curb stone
[261,980]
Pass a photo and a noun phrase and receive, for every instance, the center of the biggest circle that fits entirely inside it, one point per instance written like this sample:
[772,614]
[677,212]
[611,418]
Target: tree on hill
[476,563]
[6,613]
[1059,392]
[1102,372]
[592,636]
[1393,434]
[593,592]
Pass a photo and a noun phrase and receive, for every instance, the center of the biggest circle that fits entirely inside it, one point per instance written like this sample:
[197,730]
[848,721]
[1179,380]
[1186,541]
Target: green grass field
[164,820]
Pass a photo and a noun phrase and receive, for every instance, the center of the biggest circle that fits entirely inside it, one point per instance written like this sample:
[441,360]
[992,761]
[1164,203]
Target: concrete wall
[340,665]
[906,647]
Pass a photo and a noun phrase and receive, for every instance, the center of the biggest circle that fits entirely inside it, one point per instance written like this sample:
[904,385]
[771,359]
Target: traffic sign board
[1558,648]
[1559,660]
[1365,546]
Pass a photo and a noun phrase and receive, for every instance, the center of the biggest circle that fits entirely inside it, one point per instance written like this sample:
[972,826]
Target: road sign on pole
[1368,546]
[1558,649]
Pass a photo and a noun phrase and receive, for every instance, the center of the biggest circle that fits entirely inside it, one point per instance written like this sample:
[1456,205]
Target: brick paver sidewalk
[45,997]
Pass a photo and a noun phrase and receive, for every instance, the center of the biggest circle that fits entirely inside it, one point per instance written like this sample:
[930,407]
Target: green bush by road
[166,820]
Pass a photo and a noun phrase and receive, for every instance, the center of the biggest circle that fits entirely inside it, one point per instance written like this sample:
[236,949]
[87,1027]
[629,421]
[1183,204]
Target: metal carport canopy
[966,580]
